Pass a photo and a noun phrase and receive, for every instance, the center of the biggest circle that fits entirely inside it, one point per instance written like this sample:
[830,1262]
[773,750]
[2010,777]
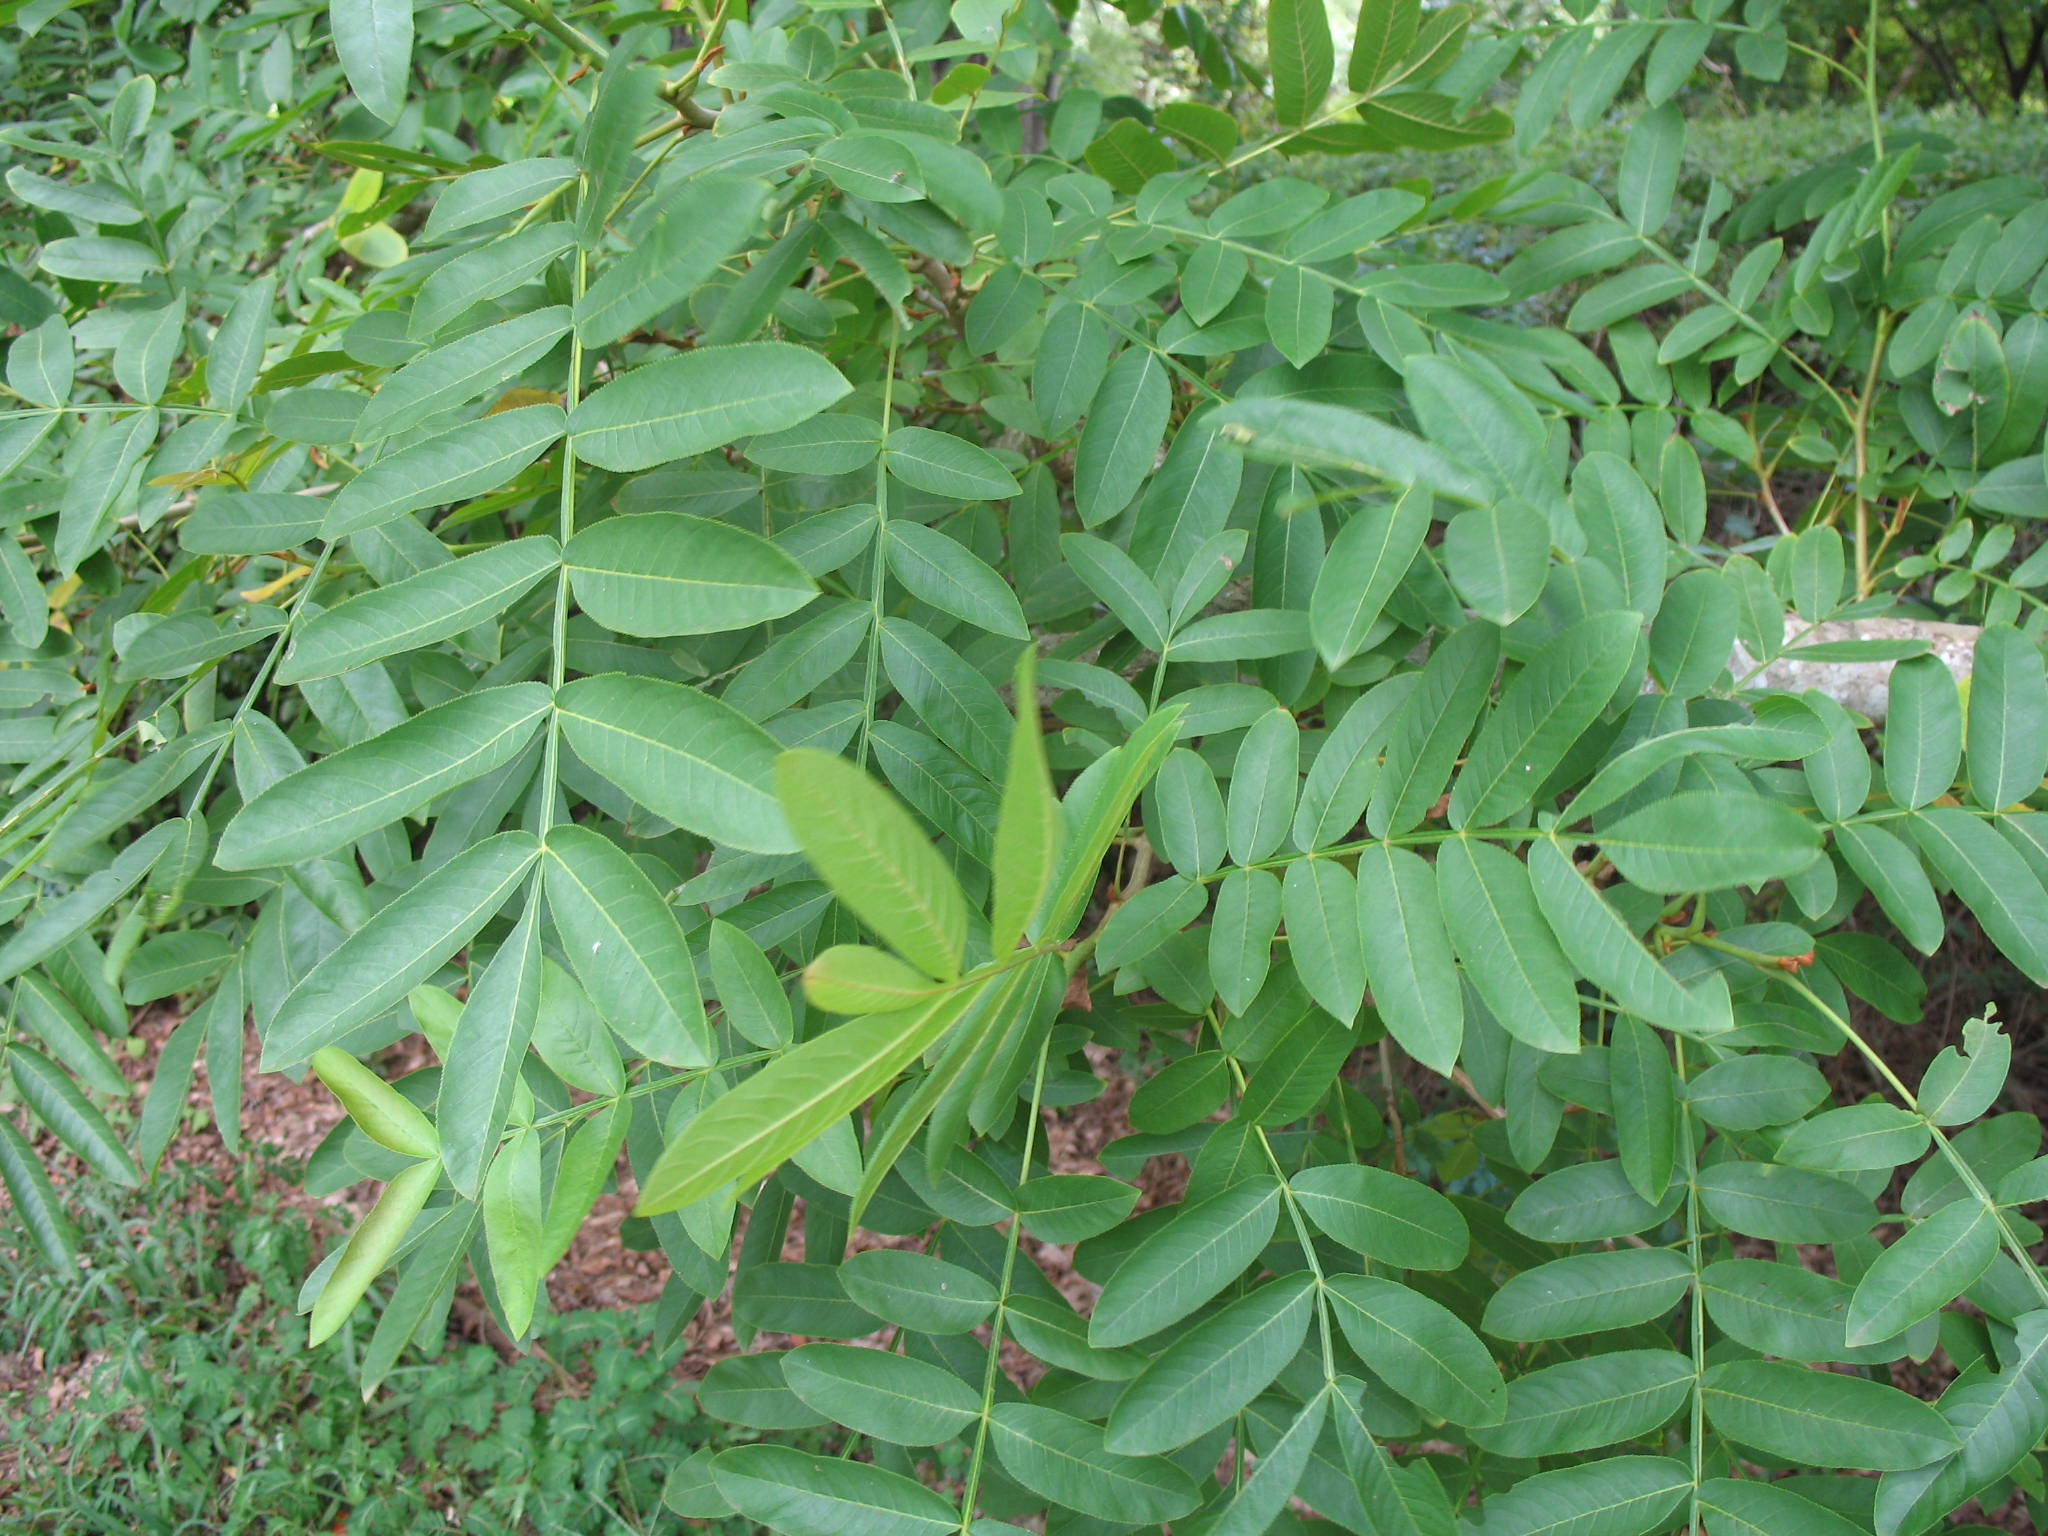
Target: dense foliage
[496,495]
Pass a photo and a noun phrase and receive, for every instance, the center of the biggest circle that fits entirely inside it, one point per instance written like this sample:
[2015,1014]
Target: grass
[169,1390]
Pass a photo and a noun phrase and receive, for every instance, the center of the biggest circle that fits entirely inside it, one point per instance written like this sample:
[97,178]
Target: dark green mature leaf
[1438,1363]
[417,611]
[2008,734]
[1365,563]
[1823,1418]
[1705,841]
[1923,732]
[699,225]
[702,399]
[1993,881]
[374,39]
[805,1495]
[1599,943]
[1203,1248]
[681,753]
[875,1393]
[1550,704]
[1580,1405]
[1301,57]
[1064,1459]
[1408,955]
[666,573]
[464,461]
[1588,1293]
[1510,956]
[1213,1370]
[483,1061]
[355,791]
[1619,1496]
[399,947]
[626,947]
[1931,1265]
[1387,1218]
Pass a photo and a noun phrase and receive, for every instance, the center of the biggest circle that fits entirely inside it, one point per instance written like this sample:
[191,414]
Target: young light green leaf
[370,1247]
[380,1111]
[790,1102]
[877,860]
[1030,831]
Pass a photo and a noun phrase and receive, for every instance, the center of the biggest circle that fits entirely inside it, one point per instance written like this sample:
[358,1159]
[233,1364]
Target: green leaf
[417,611]
[1750,1508]
[681,753]
[915,1290]
[1614,1496]
[2000,1418]
[1892,870]
[1666,847]
[1029,832]
[1588,1293]
[788,1103]
[353,792]
[1128,155]
[890,1397]
[1585,1203]
[483,1060]
[947,466]
[56,1100]
[370,1247]
[1509,954]
[1498,557]
[1300,57]
[1962,1082]
[1785,1205]
[852,978]
[450,375]
[1263,779]
[1072,1207]
[1600,944]
[702,399]
[1123,587]
[379,1110]
[1424,740]
[374,40]
[1092,823]
[1822,1418]
[1931,1265]
[1241,932]
[1650,163]
[697,227]
[750,990]
[1408,954]
[1543,713]
[667,573]
[800,1494]
[1644,1090]
[1148,920]
[1787,1310]
[1435,1361]
[514,1215]
[1063,1459]
[1747,1093]
[623,942]
[1580,1405]
[1386,31]
[464,461]
[1300,307]
[1389,1219]
[1213,1370]
[1121,438]
[1923,732]
[1202,1248]
[1365,563]
[1993,881]
[949,576]
[1319,899]
[1333,437]
[35,1199]
[1473,414]
[397,948]
[876,859]
[2008,736]
[1259,1498]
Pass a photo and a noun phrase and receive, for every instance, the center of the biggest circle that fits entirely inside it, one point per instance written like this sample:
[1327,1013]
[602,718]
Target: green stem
[971,1488]
[871,686]
[558,662]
